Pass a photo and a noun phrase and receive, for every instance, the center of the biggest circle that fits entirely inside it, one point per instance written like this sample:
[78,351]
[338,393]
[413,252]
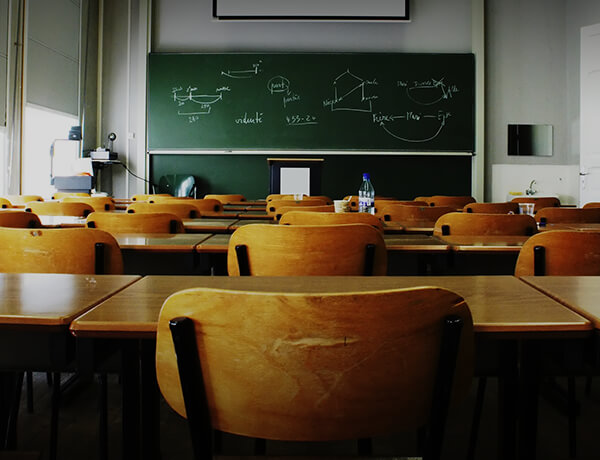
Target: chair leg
[103,417]
[54,417]
[476,417]
[365,447]
[29,383]
[572,411]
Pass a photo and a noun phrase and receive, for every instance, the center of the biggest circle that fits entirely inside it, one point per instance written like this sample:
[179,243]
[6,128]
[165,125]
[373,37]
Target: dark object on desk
[179,185]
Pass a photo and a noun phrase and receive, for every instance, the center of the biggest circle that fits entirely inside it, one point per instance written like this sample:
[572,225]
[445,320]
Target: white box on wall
[560,180]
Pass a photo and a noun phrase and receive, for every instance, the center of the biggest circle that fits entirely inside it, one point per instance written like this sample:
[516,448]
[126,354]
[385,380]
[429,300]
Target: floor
[78,429]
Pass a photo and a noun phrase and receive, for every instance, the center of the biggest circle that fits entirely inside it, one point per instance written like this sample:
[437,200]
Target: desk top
[578,226]
[499,304]
[160,242]
[211,224]
[485,243]
[49,299]
[415,242]
[579,293]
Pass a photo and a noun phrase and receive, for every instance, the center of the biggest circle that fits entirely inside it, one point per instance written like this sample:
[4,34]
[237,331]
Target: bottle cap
[366,176]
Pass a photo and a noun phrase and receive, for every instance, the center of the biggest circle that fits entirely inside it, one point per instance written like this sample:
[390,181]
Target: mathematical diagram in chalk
[414,127]
[243,73]
[430,91]
[349,94]
[191,103]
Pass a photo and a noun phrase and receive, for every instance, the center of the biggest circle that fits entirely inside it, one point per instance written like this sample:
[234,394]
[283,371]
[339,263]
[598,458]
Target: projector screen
[312,9]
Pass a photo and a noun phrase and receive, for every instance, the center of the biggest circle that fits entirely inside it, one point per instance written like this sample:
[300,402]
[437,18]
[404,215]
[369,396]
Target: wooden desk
[160,242]
[573,226]
[496,302]
[209,224]
[62,221]
[35,313]
[485,243]
[423,227]
[579,293]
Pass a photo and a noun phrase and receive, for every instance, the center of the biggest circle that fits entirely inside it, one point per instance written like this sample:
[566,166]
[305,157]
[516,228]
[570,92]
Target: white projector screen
[311,9]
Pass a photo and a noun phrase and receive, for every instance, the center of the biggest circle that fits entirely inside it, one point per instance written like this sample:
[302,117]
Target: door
[589,160]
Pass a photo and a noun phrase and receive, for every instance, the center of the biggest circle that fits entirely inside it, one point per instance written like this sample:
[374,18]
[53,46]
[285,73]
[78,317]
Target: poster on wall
[389,10]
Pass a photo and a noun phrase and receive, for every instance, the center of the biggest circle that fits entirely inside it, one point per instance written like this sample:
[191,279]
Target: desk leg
[507,400]
[150,403]
[131,401]
[528,401]
[10,396]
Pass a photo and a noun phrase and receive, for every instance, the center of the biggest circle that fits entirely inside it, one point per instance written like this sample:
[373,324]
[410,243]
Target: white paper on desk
[65,154]
[295,181]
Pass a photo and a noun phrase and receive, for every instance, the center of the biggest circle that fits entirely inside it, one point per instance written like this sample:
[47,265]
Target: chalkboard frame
[330,138]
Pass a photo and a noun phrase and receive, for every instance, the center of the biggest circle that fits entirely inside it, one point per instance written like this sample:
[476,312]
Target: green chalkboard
[311,101]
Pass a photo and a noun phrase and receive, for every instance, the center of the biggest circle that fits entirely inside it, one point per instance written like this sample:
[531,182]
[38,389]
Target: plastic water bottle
[366,195]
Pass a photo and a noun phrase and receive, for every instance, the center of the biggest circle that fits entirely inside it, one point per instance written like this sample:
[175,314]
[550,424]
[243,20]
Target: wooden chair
[147,196]
[225,198]
[207,207]
[58,208]
[510,207]
[4,203]
[59,250]
[63,250]
[285,209]
[591,204]
[99,203]
[565,215]
[409,214]
[560,252]
[281,196]
[457,202]
[22,199]
[460,223]
[540,203]
[19,219]
[300,250]
[61,195]
[329,218]
[181,209]
[155,222]
[353,199]
[314,366]
[274,206]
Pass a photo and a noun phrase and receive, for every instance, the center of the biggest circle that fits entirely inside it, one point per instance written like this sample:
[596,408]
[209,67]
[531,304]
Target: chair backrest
[23,199]
[99,203]
[205,206]
[182,209]
[564,215]
[59,250]
[403,213]
[540,203]
[19,219]
[353,199]
[225,198]
[591,204]
[4,203]
[313,366]
[61,195]
[274,205]
[457,202]
[147,196]
[493,208]
[380,205]
[329,218]
[59,208]
[559,252]
[285,209]
[290,250]
[155,222]
[462,223]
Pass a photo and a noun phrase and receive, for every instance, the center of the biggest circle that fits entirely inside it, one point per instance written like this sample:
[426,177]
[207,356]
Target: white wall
[187,26]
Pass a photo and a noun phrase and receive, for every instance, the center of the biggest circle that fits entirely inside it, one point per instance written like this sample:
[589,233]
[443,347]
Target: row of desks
[41,314]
